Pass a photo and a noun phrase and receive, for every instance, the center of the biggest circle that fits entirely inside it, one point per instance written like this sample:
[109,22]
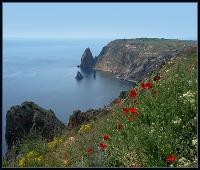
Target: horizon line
[64,38]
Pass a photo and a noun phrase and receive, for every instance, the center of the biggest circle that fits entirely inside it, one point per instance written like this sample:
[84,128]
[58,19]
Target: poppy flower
[133,93]
[131,117]
[149,85]
[89,150]
[157,77]
[102,145]
[117,101]
[126,109]
[133,109]
[146,85]
[170,158]
[143,85]
[106,137]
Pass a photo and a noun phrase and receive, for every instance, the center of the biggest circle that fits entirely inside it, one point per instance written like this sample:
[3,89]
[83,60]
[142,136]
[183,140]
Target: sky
[100,20]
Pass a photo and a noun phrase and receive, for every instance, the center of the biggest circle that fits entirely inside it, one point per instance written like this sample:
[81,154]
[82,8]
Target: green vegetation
[162,132]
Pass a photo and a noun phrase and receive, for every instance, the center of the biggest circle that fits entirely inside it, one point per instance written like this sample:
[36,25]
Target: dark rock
[123,94]
[79,76]
[78,117]
[87,60]
[29,118]
[94,74]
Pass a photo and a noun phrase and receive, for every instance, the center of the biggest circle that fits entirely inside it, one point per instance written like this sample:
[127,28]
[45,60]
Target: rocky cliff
[30,118]
[87,60]
[134,59]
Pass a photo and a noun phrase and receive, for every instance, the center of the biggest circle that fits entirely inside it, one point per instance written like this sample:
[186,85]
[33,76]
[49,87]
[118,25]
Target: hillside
[133,59]
[154,124]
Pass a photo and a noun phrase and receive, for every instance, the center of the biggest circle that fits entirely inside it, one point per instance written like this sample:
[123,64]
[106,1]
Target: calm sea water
[43,71]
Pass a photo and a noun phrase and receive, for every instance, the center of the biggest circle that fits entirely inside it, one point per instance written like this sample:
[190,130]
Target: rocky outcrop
[79,76]
[135,59]
[87,60]
[29,118]
[78,117]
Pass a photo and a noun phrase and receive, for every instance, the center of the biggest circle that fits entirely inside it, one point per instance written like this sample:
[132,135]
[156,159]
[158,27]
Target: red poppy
[143,85]
[149,85]
[131,117]
[155,91]
[117,101]
[170,158]
[136,102]
[106,137]
[156,78]
[102,145]
[126,109]
[146,85]
[133,109]
[89,150]
[133,93]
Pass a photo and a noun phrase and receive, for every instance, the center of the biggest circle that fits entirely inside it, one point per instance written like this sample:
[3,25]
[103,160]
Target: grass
[165,124]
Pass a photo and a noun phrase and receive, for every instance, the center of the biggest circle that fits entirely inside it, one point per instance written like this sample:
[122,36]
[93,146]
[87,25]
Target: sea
[44,70]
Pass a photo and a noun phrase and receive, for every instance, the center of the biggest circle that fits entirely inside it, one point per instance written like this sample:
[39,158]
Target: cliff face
[87,60]
[30,118]
[134,59]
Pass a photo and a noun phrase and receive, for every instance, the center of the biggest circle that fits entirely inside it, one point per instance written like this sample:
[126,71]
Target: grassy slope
[167,124]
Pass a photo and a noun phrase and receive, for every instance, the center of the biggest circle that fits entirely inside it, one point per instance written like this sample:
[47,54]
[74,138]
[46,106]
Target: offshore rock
[79,76]
[87,59]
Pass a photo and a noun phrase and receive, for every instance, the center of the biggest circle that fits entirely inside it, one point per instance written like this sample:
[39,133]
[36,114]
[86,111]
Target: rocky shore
[135,59]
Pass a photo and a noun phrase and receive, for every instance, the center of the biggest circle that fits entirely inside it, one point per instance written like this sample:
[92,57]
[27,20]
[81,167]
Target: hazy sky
[100,20]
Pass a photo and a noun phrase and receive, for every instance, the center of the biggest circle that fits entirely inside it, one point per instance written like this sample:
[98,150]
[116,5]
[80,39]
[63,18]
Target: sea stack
[79,76]
[87,59]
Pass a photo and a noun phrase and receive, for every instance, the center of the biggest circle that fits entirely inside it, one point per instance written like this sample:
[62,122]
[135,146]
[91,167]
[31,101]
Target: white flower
[190,82]
[152,130]
[177,120]
[183,162]
[192,101]
[194,142]
[71,139]
[186,164]
[188,97]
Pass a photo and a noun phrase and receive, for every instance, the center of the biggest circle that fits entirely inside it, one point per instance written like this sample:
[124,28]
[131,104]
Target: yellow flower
[39,158]
[85,127]
[57,140]
[22,162]
[30,155]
